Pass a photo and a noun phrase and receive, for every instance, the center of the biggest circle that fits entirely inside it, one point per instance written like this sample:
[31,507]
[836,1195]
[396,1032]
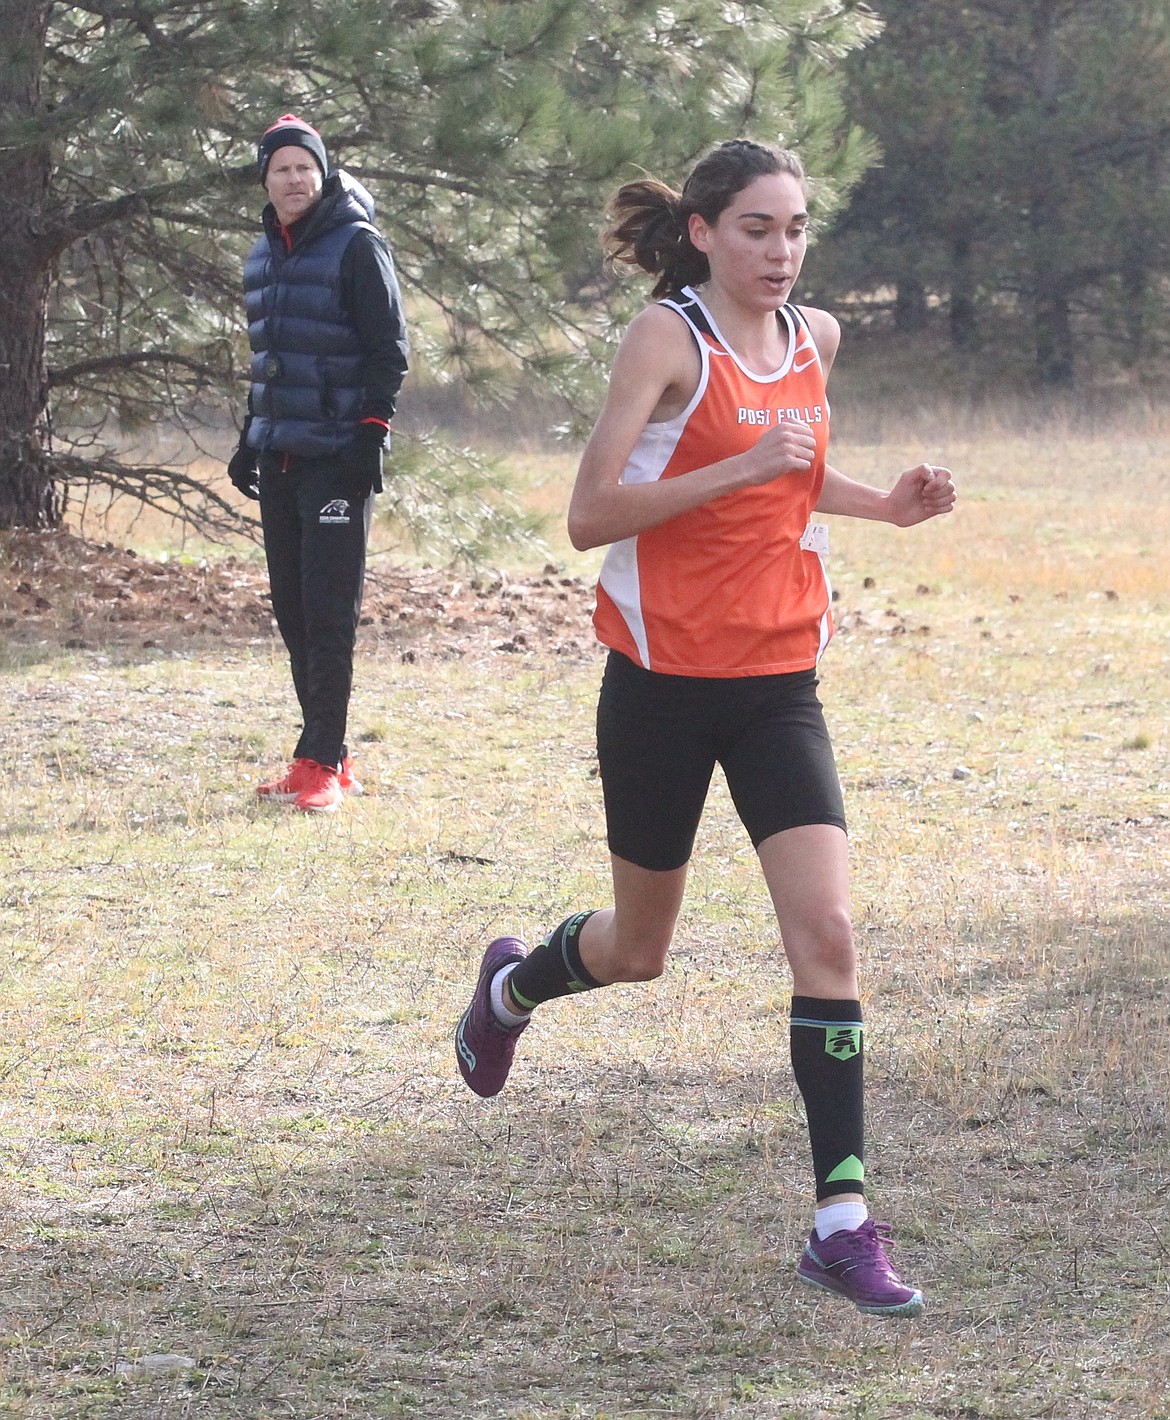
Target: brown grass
[233,1129]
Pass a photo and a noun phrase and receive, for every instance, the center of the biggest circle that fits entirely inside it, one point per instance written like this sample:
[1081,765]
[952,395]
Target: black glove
[362,462]
[243,468]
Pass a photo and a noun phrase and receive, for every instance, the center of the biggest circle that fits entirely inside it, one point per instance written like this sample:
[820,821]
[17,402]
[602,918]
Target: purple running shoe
[484,1048]
[854,1264]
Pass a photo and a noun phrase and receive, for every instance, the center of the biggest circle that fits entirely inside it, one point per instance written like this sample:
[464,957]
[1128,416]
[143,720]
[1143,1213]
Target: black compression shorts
[659,738]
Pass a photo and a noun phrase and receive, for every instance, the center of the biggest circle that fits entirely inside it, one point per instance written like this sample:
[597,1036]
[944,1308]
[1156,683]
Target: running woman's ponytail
[646,229]
[648,222]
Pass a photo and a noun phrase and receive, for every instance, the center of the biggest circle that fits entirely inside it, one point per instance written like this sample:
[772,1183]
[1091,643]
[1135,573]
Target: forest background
[990,194]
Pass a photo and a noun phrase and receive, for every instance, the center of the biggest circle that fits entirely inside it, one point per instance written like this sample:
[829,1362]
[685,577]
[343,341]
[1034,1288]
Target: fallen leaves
[56,586]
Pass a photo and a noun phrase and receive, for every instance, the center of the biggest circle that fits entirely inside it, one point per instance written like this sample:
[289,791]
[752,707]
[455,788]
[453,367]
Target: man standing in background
[329,354]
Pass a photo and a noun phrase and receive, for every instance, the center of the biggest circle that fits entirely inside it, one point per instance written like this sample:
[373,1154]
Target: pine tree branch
[145,20]
[421,180]
[1125,147]
[80,220]
[107,364]
[174,494]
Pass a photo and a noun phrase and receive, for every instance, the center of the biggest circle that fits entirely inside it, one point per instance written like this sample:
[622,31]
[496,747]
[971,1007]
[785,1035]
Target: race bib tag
[816,539]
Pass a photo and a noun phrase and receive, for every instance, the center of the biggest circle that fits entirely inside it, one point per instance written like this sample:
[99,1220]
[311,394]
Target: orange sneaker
[349,785]
[321,793]
[284,791]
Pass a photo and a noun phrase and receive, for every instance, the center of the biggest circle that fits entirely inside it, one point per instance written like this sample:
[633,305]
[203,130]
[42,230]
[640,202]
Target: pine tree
[488,130]
[1023,169]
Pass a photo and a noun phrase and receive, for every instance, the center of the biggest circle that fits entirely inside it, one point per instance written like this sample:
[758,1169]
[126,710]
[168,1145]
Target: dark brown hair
[648,221]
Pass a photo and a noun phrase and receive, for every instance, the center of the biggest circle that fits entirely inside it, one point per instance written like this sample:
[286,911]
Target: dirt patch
[58,587]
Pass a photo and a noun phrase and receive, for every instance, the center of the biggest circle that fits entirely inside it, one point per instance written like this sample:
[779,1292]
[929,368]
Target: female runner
[700,476]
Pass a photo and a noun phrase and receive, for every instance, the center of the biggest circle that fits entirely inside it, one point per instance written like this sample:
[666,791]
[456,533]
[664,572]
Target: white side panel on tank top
[653,451]
[826,628]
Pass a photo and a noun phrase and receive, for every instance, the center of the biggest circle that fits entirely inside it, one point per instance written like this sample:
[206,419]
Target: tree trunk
[1135,285]
[1054,342]
[909,304]
[28,498]
[961,314]
[1049,211]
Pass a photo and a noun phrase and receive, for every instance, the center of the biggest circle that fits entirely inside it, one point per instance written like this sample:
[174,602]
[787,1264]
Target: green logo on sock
[843,1041]
[850,1170]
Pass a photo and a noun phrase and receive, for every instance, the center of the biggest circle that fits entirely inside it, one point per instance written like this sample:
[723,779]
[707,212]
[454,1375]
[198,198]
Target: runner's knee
[641,957]
[829,942]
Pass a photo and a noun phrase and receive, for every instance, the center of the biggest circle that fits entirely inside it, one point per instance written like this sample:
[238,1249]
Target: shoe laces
[872,1239]
[319,776]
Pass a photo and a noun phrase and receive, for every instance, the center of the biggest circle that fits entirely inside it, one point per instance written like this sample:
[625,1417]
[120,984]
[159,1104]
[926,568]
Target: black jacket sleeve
[369,291]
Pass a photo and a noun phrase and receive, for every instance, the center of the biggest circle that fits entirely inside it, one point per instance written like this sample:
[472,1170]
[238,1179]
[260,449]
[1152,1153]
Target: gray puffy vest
[307,367]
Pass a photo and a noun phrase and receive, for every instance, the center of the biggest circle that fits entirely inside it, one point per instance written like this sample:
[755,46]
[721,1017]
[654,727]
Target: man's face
[293,183]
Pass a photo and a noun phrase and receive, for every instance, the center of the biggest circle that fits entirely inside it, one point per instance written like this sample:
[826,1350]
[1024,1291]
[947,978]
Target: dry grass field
[233,1134]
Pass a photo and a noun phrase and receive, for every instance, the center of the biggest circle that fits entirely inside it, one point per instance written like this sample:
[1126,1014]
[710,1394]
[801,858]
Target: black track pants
[315,543]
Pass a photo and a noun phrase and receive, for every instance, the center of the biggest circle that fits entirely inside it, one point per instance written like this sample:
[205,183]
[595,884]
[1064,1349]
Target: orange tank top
[725,589]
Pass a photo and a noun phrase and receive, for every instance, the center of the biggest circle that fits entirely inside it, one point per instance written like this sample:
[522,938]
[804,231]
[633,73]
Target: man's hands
[363,462]
[243,468]
[923,492]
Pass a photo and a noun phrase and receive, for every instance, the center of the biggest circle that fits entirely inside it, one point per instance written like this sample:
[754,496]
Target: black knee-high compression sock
[827,1059]
[554,968]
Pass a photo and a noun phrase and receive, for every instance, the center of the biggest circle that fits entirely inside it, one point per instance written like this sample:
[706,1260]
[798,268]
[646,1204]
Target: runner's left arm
[925,491]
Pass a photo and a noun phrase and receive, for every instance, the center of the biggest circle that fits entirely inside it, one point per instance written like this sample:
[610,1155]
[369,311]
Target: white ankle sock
[839,1216]
[504,1014]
